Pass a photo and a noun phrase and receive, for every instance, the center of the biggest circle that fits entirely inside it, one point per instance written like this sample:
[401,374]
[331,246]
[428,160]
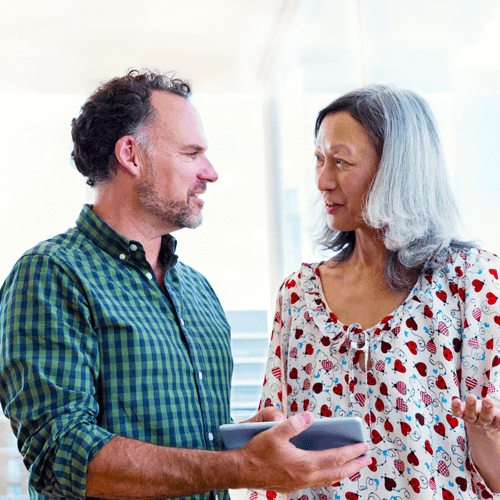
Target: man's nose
[208,173]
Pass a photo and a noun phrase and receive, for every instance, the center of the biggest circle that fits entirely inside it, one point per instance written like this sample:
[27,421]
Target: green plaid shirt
[91,347]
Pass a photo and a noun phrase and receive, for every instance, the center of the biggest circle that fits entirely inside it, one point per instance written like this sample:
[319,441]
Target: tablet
[322,434]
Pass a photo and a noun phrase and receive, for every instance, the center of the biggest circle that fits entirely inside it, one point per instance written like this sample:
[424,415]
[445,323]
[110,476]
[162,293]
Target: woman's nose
[327,177]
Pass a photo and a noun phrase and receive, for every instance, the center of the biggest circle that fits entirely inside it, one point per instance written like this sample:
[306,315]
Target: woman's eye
[341,164]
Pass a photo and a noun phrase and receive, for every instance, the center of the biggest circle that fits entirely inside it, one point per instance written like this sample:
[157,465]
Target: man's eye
[193,155]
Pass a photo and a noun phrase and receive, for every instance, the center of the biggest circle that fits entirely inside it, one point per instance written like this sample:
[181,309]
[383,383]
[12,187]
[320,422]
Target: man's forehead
[176,115]
[167,103]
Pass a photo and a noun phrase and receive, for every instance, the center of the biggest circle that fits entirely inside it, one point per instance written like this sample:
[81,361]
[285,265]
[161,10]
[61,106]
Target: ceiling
[69,46]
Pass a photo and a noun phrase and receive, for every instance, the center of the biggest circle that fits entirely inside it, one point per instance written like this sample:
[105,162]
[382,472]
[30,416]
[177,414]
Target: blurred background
[260,71]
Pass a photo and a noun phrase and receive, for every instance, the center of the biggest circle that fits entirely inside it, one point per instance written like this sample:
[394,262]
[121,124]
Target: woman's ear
[129,155]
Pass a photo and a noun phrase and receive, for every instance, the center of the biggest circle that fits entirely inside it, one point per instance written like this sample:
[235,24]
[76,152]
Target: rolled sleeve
[49,367]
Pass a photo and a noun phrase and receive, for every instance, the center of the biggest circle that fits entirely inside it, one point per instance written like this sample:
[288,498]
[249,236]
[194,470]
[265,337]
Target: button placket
[357,341]
[357,337]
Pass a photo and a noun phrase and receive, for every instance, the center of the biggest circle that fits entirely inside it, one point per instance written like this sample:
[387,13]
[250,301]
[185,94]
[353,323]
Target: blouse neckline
[314,289]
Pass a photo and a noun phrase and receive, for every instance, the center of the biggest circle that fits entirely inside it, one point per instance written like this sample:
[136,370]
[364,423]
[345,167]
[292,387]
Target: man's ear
[129,155]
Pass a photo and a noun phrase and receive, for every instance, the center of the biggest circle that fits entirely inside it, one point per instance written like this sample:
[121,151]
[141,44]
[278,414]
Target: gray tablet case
[322,434]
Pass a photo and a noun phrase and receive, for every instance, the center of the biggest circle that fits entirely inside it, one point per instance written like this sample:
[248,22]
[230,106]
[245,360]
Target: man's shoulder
[61,246]
[61,250]
[33,263]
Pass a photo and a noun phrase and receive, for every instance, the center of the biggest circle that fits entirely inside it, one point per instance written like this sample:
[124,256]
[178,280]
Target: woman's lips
[332,207]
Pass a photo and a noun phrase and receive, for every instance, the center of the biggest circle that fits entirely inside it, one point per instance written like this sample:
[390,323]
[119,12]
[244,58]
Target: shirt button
[211,437]
[149,276]
[200,375]
[182,322]
[122,256]
[133,247]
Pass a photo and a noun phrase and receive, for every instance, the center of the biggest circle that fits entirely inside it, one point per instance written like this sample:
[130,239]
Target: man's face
[176,169]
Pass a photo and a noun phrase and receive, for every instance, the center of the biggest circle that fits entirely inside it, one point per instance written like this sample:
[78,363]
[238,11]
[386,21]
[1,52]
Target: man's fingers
[269,414]
[335,457]
[346,466]
[351,467]
[272,414]
[293,426]
[287,469]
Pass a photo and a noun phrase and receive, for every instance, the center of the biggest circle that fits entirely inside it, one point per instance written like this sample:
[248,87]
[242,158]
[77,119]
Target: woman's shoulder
[465,257]
[465,270]
[480,255]
[306,272]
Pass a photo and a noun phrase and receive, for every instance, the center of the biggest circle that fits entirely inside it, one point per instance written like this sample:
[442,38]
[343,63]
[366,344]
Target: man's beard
[175,213]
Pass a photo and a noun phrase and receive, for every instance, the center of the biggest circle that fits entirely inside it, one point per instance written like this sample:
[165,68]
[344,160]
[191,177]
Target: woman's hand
[482,421]
[481,416]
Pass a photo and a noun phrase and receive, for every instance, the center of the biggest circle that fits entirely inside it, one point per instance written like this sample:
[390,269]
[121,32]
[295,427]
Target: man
[115,357]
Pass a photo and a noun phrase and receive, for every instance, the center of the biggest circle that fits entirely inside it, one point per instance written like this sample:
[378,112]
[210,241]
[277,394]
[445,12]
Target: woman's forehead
[341,131]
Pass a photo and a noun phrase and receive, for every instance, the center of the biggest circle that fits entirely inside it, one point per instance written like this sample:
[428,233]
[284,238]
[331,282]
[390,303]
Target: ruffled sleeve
[479,289]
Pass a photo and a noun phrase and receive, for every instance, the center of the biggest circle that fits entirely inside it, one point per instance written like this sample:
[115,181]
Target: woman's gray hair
[410,200]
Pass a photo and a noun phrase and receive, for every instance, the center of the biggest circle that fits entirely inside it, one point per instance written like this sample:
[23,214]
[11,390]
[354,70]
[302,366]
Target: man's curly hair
[117,108]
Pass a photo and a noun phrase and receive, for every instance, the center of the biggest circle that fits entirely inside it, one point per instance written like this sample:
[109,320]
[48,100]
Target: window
[12,441]
[448,59]
[249,343]
[14,469]
[15,490]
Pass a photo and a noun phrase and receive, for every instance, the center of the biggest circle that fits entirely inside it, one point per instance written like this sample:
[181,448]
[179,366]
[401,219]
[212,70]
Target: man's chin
[196,223]
[190,222]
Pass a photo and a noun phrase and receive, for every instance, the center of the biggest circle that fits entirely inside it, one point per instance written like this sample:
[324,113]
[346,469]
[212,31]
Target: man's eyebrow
[196,147]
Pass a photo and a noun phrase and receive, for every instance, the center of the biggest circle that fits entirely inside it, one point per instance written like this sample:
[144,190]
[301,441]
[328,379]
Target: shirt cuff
[62,470]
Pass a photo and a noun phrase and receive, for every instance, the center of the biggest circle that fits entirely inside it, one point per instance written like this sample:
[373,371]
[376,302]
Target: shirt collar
[121,248]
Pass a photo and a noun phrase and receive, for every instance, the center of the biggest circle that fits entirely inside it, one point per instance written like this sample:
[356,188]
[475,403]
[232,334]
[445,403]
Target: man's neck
[129,222]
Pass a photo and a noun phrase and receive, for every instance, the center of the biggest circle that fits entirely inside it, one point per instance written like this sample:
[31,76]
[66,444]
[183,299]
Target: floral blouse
[442,342]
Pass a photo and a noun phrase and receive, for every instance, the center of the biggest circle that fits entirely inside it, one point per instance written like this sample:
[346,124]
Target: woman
[402,319]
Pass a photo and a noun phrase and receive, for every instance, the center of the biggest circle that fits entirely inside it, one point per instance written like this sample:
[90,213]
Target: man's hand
[269,414]
[126,468]
[270,461]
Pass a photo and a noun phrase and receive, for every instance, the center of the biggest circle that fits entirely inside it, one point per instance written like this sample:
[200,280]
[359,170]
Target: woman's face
[346,162]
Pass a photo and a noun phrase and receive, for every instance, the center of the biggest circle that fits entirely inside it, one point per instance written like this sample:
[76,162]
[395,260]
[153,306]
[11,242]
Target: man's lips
[194,194]
[196,190]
